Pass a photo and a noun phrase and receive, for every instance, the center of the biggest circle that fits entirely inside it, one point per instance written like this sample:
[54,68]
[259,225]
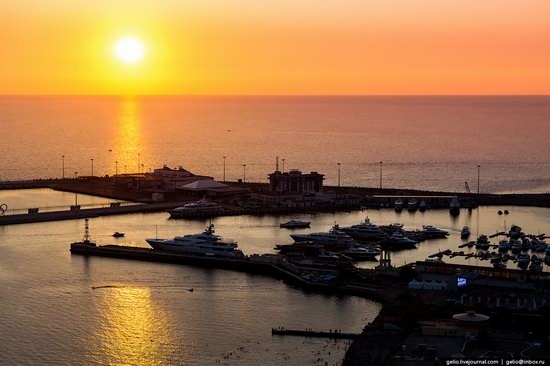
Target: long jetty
[75,212]
[314,333]
[141,200]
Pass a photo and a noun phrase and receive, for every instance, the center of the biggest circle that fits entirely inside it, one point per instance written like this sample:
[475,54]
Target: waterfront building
[285,199]
[296,181]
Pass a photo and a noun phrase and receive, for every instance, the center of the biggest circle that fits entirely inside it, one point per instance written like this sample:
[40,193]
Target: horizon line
[276,95]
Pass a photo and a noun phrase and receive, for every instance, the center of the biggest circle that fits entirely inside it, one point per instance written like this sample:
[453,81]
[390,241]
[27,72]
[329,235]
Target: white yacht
[206,243]
[202,205]
[358,252]
[365,231]
[398,240]
[334,238]
[454,207]
[433,232]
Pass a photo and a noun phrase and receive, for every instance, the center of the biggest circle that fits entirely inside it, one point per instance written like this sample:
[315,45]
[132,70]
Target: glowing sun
[129,50]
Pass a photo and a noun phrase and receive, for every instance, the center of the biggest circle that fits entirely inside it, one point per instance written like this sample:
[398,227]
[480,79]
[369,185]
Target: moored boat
[359,252]
[398,205]
[423,206]
[515,232]
[398,241]
[465,233]
[432,232]
[454,207]
[365,231]
[412,206]
[202,205]
[295,224]
[334,239]
[206,244]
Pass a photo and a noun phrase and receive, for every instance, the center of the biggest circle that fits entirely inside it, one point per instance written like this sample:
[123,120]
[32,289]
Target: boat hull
[167,247]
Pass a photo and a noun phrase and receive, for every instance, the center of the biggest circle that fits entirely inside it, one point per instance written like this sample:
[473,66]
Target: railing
[20,211]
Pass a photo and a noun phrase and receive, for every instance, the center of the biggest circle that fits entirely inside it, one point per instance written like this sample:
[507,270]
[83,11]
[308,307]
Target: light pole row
[141,167]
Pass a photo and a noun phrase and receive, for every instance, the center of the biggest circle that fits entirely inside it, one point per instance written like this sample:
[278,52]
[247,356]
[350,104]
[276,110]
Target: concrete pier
[76,213]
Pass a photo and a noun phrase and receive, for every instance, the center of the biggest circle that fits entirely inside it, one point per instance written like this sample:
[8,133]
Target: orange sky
[277,47]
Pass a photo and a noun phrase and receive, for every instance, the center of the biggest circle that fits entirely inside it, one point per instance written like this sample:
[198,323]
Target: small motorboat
[398,205]
[523,261]
[465,233]
[517,246]
[482,242]
[454,207]
[423,206]
[118,235]
[412,206]
[295,224]
[504,246]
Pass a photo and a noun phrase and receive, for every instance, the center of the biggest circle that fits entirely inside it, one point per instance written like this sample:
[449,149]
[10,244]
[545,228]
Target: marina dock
[268,264]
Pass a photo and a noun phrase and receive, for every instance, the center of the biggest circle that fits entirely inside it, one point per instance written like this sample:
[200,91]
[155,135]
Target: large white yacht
[202,205]
[365,231]
[206,243]
[398,240]
[334,238]
[359,253]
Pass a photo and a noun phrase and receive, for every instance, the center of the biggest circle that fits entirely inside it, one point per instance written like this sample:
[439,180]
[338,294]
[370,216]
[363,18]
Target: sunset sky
[276,47]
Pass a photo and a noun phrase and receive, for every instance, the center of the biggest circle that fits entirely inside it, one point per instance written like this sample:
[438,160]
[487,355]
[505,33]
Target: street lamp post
[224,169]
[116,169]
[75,194]
[92,160]
[139,157]
[339,173]
[244,176]
[478,169]
[283,165]
[381,174]
[63,166]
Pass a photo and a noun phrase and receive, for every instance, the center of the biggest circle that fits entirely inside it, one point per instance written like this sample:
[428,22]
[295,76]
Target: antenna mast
[86,232]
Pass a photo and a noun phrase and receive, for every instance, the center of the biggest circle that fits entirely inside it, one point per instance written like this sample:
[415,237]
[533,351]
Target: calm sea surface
[424,142]
[143,314]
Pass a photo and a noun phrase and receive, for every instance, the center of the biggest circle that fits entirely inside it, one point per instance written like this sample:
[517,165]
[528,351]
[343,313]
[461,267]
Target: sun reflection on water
[134,329]
[129,142]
